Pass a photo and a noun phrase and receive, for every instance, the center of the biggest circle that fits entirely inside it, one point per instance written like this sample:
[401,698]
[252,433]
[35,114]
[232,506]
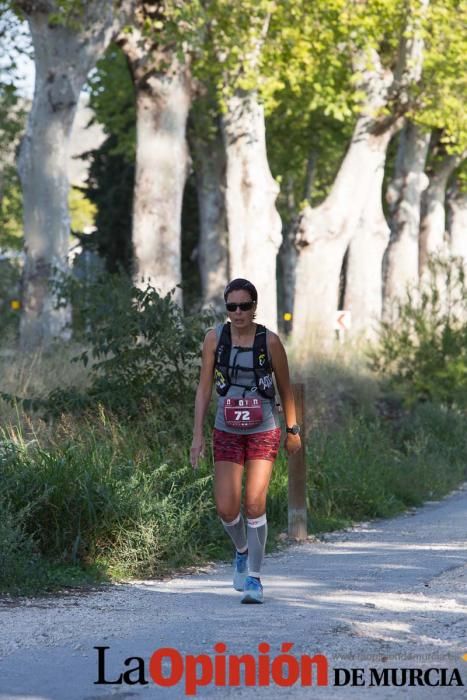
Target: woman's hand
[292,443]
[197,451]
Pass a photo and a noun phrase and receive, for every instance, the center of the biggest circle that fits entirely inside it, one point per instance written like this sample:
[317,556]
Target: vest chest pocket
[243,413]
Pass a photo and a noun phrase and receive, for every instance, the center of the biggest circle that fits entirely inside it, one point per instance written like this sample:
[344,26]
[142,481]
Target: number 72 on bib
[243,413]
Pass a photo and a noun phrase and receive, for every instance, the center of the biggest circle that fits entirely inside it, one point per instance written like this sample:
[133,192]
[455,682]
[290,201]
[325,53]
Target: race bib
[243,413]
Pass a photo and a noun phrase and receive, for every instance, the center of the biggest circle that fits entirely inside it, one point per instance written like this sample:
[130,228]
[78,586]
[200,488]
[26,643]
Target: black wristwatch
[295,430]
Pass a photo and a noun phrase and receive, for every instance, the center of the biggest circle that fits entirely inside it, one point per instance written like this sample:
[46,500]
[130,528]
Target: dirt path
[386,594]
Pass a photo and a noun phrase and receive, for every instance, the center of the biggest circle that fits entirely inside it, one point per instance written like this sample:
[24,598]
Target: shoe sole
[250,599]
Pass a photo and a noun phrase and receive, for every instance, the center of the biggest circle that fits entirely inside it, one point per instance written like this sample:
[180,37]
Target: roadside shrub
[422,351]
[429,448]
[140,347]
[19,557]
[17,553]
[372,468]
[120,496]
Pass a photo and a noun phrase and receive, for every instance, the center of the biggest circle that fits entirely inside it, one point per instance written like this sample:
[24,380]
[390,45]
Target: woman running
[240,356]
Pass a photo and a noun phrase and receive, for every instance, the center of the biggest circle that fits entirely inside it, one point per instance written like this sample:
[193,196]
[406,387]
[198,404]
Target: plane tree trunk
[253,221]
[64,54]
[457,221]
[433,234]
[401,263]
[209,163]
[163,99]
[363,284]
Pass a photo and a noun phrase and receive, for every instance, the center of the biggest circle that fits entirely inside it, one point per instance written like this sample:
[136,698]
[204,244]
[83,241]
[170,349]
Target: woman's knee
[228,516]
[227,511]
[255,507]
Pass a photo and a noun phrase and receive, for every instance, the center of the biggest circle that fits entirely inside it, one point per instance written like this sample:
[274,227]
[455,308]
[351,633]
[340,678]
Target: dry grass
[28,375]
[336,379]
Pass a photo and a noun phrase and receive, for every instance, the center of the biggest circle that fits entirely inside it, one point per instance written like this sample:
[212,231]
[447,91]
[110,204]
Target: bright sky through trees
[16,47]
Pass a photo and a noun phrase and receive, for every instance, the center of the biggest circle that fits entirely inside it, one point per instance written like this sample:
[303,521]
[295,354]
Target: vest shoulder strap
[260,349]
[223,345]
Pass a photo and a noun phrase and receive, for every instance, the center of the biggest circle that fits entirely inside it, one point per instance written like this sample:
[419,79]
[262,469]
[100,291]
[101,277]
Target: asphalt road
[388,594]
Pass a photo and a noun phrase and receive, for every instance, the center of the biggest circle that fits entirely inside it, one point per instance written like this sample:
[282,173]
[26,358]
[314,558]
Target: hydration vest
[261,369]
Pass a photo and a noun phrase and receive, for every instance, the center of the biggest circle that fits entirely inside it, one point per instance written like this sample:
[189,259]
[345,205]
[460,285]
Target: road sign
[342,320]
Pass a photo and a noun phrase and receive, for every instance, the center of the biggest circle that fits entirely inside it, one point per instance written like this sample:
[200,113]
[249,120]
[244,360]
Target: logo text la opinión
[168,667]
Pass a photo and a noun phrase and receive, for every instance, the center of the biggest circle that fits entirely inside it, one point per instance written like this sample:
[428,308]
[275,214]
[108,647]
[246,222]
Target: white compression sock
[236,532]
[256,532]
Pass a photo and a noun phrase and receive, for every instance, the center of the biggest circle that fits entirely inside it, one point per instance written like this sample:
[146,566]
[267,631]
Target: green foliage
[112,99]
[111,172]
[190,235]
[143,350]
[423,351]
[18,558]
[12,122]
[110,187]
[442,92]
[82,210]
[97,496]
[11,210]
[67,13]
[300,57]
[291,142]
[369,468]
[223,38]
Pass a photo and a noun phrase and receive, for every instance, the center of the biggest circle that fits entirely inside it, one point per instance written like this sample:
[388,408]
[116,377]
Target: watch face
[295,429]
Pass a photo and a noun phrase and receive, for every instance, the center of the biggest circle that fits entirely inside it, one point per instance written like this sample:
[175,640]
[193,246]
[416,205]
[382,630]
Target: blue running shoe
[240,571]
[252,591]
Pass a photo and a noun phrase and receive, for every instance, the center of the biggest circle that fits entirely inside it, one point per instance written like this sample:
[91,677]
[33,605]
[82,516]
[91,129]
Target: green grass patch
[370,468]
[111,501]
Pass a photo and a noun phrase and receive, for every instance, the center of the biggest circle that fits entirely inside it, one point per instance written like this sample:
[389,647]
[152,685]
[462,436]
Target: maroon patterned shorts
[241,447]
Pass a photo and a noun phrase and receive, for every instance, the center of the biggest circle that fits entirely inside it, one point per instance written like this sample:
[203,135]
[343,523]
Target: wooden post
[297,473]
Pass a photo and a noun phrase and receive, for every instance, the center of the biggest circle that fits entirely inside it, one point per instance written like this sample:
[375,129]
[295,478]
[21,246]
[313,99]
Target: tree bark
[288,259]
[209,163]
[288,254]
[433,239]
[363,284]
[64,55]
[251,192]
[163,99]
[457,221]
[162,164]
[401,262]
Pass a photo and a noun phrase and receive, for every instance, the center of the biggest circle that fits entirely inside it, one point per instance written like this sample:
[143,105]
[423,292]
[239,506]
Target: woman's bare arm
[280,367]
[203,395]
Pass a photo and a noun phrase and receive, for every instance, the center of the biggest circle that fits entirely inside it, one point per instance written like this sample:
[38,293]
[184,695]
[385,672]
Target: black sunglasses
[244,306]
